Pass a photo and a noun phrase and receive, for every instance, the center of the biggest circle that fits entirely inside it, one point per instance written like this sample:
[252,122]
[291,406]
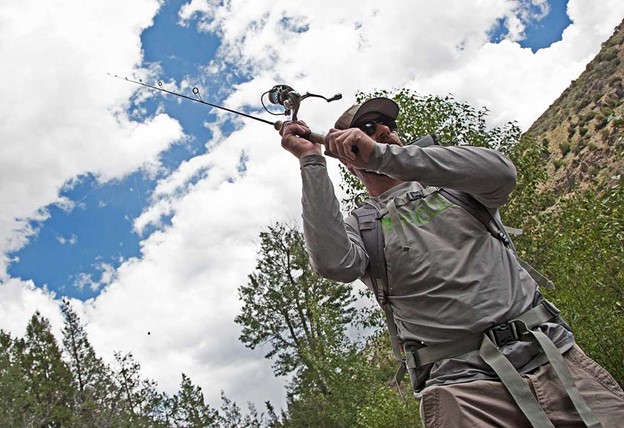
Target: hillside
[569,200]
[583,127]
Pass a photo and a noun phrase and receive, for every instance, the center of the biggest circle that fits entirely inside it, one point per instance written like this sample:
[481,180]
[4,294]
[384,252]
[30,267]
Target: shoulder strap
[478,211]
[495,226]
[372,235]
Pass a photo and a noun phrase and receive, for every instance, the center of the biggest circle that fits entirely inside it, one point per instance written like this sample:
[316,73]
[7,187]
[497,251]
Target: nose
[381,132]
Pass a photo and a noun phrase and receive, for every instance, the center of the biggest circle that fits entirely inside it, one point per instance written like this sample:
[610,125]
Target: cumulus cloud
[62,115]
[65,117]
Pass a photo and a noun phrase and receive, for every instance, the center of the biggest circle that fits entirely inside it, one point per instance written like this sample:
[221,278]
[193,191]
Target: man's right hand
[292,141]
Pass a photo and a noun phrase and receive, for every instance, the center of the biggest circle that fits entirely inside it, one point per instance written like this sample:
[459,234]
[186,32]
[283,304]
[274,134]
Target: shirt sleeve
[335,247]
[485,173]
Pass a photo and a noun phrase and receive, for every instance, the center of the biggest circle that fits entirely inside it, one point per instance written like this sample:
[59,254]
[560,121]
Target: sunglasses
[370,127]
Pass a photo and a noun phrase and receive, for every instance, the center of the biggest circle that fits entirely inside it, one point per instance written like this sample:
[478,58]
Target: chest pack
[418,359]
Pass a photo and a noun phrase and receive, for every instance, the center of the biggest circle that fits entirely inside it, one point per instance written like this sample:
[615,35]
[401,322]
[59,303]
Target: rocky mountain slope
[583,127]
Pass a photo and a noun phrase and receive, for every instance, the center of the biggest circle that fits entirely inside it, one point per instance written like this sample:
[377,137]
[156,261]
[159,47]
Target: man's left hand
[352,146]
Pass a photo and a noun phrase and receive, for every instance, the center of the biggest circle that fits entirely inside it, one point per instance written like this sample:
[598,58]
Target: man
[450,280]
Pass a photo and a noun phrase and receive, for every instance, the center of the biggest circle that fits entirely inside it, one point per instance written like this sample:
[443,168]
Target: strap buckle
[505,333]
[380,293]
[411,359]
[412,196]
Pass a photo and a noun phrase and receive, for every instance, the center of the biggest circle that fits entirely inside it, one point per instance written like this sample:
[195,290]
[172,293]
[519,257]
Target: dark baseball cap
[381,105]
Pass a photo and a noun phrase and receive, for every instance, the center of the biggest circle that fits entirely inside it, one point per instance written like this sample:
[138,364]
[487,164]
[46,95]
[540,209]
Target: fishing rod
[282,95]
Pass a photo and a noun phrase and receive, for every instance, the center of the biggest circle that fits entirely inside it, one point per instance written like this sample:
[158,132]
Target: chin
[371,174]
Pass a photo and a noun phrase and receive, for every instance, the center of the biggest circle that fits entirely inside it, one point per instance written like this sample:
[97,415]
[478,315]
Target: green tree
[84,365]
[304,320]
[13,397]
[92,378]
[301,316]
[576,239]
[38,387]
[189,409]
[48,383]
[363,393]
[231,415]
[137,397]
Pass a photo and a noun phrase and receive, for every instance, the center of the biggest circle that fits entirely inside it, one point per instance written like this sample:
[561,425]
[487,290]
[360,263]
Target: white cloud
[64,117]
[18,302]
[72,240]
[83,280]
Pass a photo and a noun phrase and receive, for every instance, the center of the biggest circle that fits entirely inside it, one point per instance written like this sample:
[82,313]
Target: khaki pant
[485,403]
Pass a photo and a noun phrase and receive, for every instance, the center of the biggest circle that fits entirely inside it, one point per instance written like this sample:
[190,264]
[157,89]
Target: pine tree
[92,379]
[138,398]
[48,380]
[13,399]
[231,415]
[189,408]
[301,316]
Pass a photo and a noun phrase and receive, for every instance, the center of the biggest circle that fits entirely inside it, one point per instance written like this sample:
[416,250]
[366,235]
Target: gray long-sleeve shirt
[448,276]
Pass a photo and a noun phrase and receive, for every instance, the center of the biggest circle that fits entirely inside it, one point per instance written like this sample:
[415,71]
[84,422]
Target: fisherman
[482,346]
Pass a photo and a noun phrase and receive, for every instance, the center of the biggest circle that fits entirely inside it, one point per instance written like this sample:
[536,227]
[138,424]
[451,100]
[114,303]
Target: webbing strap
[512,380]
[372,235]
[557,362]
[541,280]
[532,318]
[520,391]
[392,330]
[413,196]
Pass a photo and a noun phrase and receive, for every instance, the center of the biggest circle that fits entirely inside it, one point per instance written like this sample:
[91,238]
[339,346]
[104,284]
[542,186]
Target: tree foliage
[43,371]
[304,319]
[576,239]
[299,315]
[189,408]
[45,385]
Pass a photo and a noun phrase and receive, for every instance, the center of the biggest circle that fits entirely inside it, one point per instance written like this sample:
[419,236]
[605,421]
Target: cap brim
[384,106]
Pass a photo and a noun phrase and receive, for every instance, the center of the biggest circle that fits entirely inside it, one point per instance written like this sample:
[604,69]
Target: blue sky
[540,32]
[146,209]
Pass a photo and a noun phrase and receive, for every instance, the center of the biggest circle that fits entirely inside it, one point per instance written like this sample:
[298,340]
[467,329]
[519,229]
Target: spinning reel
[290,99]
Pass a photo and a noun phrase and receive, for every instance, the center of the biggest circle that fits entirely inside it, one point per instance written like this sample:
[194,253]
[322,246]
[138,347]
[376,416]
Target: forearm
[334,253]
[484,173]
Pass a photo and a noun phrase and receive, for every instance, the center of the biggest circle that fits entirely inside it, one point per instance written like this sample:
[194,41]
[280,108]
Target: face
[379,128]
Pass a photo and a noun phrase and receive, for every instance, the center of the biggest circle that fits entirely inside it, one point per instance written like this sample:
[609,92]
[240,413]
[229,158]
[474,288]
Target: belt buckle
[503,334]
